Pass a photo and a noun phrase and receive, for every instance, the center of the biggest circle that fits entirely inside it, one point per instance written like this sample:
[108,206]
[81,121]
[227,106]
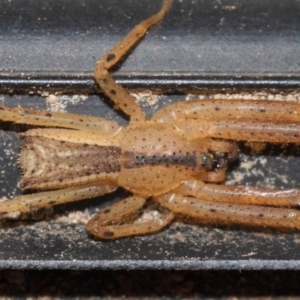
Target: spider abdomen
[49,161]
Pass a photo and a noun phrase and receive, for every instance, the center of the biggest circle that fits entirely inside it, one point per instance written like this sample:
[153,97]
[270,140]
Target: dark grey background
[196,36]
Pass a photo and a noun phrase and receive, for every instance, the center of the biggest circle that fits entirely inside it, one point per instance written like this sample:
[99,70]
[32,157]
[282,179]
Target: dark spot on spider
[113,92]
[62,142]
[48,115]
[296,135]
[109,234]
[262,110]
[60,180]
[88,173]
[217,108]
[110,57]
[212,210]
[1,108]
[260,215]
[52,202]
[106,211]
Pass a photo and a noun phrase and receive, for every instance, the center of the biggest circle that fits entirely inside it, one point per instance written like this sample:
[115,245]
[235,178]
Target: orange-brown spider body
[176,158]
[147,158]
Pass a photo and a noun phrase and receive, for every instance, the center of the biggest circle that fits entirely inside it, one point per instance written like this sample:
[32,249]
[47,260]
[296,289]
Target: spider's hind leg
[25,203]
[23,115]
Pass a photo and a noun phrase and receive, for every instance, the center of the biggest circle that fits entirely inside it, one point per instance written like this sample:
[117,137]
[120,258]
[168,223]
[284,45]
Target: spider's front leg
[252,121]
[217,110]
[242,130]
[227,213]
[239,194]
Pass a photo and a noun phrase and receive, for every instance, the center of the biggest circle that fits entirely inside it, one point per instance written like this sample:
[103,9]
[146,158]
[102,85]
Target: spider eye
[207,161]
[220,160]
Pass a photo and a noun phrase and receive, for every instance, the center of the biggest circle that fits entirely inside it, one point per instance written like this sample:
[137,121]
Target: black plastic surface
[220,43]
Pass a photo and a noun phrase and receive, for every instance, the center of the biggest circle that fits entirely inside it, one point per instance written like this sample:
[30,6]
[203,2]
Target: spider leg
[239,194]
[114,91]
[57,119]
[216,145]
[208,211]
[257,110]
[242,129]
[27,202]
[110,223]
[214,176]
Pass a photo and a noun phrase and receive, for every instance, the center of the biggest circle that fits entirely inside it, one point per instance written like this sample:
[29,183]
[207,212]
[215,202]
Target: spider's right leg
[239,194]
[228,213]
[114,91]
[57,119]
[115,221]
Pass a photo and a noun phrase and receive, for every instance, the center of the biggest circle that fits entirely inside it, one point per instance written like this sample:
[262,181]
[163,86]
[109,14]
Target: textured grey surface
[196,36]
[239,37]
[60,241]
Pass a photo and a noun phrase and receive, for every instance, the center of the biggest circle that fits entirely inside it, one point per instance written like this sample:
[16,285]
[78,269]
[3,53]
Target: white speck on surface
[292,96]
[58,103]
[147,97]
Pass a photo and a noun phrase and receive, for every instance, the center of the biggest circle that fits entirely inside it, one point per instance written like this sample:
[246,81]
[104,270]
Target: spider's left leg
[252,121]
[116,220]
[217,110]
[114,91]
[23,115]
[42,199]
[207,211]
[249,130]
